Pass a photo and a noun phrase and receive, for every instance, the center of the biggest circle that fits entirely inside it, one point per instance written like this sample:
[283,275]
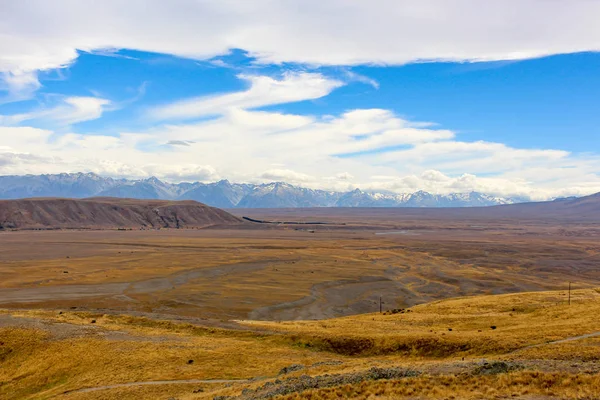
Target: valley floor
[472,309]
[291,273]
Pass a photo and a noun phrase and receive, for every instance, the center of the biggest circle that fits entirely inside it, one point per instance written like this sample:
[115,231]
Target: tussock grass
[521,320]
[33,364]
[49,360]
[528,384]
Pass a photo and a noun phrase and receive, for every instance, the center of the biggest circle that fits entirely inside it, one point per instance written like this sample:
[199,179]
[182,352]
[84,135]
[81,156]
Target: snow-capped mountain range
[224,194]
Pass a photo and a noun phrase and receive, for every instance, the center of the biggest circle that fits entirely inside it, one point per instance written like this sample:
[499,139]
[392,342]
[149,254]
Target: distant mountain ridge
[224,194]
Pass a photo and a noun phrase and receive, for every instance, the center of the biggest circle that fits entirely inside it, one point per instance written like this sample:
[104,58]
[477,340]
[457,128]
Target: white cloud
[263,91]
[484,157]
[186,143]
[254,146]
[286,175]
[21,138]
[344,176]
[71,110]
[80,109]
[436,182]
[183,172]
[356,77]
[40,35]
[19,163]
[18,85]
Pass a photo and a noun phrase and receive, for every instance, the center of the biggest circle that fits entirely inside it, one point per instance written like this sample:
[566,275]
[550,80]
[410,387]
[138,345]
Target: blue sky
[471,101]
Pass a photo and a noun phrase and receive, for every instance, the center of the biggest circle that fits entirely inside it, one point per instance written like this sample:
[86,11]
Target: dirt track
[151,383]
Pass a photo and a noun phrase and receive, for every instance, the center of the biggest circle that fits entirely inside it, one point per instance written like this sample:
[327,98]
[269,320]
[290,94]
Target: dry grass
[527,384]
[453,328]
[127,349]
[43,363]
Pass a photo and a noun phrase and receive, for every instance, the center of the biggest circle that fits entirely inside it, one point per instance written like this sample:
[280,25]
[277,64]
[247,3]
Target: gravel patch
[299,384]
[497,367]
[291,368]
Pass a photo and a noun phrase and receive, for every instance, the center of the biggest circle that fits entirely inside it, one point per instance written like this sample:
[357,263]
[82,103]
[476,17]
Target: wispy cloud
[286,175]
[71,110]
[356,77]
[186,143]
[263,91]
[18,85]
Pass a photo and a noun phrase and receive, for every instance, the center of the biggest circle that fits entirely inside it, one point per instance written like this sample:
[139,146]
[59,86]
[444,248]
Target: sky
[499,97]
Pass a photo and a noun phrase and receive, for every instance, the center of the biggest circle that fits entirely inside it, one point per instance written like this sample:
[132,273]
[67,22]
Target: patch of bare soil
[333,299]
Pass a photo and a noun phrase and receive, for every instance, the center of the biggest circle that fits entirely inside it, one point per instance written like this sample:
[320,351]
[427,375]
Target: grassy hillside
[470,326]
[445,349]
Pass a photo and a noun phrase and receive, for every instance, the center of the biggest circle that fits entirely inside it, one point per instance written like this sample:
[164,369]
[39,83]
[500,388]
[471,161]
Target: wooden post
[380,306]
[569,293]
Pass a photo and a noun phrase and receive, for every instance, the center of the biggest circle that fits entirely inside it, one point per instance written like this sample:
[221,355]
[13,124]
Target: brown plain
[294,271]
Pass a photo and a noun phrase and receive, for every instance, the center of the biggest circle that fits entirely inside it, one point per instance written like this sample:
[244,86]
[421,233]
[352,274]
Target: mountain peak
[153,180]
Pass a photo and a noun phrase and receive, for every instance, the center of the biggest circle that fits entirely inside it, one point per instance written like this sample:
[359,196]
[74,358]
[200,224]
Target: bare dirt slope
[102,213]
[584,209]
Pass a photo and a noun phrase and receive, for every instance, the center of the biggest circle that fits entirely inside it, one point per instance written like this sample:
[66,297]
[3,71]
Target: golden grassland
[457,327]
[529,384]
[35,363]
[46,354]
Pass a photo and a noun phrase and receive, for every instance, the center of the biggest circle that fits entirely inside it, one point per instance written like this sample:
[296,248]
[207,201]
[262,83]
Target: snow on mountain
[60,185]
[283,195]
[222,194]
[225,194]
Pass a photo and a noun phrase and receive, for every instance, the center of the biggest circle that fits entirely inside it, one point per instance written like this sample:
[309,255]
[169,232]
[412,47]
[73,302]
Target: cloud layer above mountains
[369,148]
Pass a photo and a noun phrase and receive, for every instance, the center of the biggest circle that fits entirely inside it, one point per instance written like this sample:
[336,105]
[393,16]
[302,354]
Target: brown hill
[583,209]
[105,213]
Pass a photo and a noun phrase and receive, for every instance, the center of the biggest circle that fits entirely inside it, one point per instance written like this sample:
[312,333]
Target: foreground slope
[523,346]
[99,213]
